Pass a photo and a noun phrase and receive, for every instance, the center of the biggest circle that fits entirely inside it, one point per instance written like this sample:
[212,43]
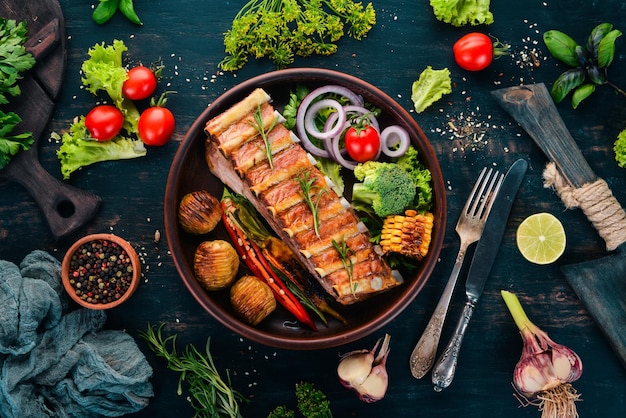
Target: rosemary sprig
[211,396]
[307,187]
[258,125]
[346,253]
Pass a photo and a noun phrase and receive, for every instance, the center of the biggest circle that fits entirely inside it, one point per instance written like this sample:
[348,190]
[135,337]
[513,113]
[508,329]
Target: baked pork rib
[237,155]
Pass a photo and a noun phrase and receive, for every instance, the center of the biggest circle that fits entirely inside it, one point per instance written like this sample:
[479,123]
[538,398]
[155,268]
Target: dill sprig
[345,253]
[259,126]
[283,29]
[211,396]
[307,185]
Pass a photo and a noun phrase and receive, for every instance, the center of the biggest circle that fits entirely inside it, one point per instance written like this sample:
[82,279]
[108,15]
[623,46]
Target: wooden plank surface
[187,35]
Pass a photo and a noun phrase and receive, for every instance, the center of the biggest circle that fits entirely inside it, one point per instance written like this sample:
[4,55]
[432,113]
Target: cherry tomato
[473,52]
[156,125]
[104,122]
[140,83]
[362,143]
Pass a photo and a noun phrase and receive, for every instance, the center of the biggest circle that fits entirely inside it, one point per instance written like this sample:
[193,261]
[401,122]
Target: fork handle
[444,370]
[423,355]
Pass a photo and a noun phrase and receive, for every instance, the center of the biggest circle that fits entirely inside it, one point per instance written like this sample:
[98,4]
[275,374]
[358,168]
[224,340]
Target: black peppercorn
[100,271]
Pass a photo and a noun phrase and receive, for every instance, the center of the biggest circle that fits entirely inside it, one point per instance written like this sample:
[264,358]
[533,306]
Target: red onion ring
[394,136]
[329,130]
[306,102]
[363,111]
[337,155]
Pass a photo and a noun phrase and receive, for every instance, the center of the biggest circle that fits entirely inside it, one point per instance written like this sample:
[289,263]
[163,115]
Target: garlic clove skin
[375,386]
[568,366]
[544,364]
[354,368]
[365,372]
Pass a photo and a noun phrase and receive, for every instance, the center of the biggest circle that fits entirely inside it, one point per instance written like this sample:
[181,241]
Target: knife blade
[484,256]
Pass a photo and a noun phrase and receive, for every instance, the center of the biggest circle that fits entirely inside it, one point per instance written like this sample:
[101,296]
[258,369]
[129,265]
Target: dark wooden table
[187,34]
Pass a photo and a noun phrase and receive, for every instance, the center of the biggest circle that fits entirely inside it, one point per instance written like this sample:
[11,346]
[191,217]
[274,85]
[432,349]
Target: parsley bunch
[283,29]
[14,59]
[11,144]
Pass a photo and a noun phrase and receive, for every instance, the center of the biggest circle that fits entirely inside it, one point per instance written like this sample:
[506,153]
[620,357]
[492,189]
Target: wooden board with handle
[601,283]
[65,208]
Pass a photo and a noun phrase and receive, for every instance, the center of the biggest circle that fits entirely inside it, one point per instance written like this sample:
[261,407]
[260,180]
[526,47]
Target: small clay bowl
[89,290]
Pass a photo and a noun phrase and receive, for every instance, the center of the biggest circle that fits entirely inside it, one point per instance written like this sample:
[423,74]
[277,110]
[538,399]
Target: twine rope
[595,200]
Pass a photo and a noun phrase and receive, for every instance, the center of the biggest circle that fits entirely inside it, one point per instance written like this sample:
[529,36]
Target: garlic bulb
[546,369]
[365,372]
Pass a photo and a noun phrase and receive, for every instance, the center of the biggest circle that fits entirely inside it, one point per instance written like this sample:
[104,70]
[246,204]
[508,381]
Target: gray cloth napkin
[60,363]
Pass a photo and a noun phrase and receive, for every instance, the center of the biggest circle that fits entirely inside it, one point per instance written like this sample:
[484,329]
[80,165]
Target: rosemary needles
[211,395]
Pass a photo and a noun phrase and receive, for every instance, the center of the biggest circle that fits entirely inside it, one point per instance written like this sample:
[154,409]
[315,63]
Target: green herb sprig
[258,125]
[283,29]
[107,8]
[345,253]
[307,186]
[311,402]
[211,396]
[588,63]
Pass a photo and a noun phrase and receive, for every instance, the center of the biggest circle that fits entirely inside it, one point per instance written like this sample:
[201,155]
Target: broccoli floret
[385,188]
[421,177]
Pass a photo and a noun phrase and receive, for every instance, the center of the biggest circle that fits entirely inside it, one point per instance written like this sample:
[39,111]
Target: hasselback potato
[199,212]
[252,299]
[215,264]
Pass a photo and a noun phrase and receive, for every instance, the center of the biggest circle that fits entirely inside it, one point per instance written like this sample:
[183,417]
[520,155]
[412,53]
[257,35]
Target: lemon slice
[541,238]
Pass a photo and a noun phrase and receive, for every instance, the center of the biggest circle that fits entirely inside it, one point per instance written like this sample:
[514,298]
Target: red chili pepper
[252,255]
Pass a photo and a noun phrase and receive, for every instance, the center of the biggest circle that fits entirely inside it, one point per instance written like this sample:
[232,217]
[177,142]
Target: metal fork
[469,228]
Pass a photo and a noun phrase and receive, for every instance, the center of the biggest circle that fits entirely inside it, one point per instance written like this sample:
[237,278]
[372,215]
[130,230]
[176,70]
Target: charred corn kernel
[407,234]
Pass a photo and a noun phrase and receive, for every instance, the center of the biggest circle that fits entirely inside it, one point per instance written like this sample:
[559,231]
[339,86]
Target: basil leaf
[128,9]
[597,75]
[567,82]
[562,47]
[105,11]
[581,93]
[597,34]
[606,49]
[583,56]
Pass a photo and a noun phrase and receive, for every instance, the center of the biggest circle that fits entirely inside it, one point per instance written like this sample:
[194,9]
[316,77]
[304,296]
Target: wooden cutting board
[65,208]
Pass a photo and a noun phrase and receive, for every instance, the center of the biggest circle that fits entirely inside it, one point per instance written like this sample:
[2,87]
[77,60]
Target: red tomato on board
[362,143]
[473,52]
[156,125]
[140,83]
[104,122]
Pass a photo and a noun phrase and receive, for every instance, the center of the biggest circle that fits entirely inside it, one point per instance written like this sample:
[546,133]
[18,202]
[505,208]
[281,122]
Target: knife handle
[423,355]
[444,369]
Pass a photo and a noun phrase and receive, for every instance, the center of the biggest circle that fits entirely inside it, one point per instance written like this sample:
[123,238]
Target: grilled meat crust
[236,154]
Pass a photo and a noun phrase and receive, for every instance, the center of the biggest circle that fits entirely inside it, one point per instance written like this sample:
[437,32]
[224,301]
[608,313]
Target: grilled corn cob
[407,234]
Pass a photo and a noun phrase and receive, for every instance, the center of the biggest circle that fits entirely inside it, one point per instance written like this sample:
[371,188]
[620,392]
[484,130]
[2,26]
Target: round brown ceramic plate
[189,172]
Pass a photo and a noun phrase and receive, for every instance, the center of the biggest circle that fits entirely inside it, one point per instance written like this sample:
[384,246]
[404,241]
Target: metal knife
[484,256]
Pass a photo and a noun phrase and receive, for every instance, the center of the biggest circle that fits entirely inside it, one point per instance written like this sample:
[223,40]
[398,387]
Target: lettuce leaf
[104,71]
[463,12]
[78,149]
[430,87]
